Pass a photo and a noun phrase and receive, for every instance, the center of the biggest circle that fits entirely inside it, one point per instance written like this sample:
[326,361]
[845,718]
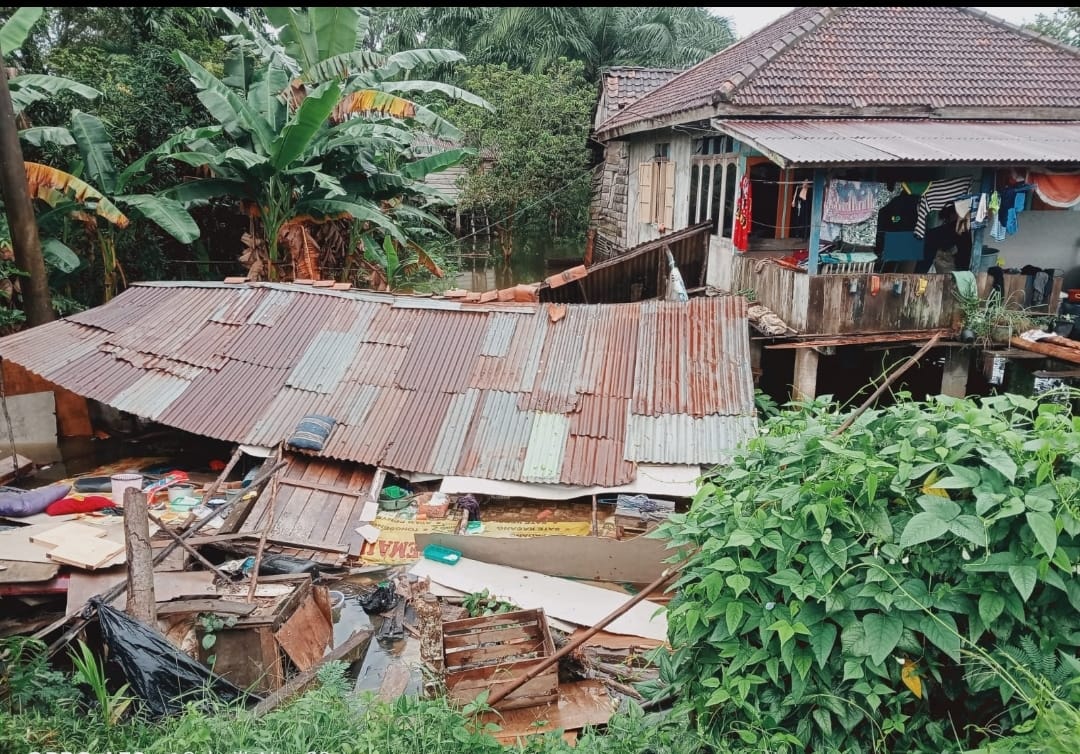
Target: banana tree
[28,88]
[300,152]
[96,151]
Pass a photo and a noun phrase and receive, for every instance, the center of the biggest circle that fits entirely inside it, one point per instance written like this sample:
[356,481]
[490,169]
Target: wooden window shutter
[669,194]
[645,192]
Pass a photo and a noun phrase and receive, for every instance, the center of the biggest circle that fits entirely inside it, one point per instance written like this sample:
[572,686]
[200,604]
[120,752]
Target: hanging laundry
[979,210]
[997,228]
[1056,189]
[937,196]
[865,232]
[849,202]
[740,236]
[800,211]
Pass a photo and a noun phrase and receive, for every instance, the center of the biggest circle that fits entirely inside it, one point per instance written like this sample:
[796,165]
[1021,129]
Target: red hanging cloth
[740,236]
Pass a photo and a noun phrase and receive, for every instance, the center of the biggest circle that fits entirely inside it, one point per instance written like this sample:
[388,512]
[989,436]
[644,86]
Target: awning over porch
[852,142]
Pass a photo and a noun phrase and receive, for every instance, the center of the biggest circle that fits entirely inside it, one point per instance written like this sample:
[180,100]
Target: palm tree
[317,131]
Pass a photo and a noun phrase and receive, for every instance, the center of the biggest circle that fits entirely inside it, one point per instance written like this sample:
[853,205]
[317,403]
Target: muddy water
[390,666]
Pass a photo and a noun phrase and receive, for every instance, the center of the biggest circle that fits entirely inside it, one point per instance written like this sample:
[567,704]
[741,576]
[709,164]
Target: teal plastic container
[441,554]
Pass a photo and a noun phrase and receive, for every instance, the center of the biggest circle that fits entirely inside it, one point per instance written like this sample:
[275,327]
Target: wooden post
[954,377]
[595,519]
[816,210]
[804,385]
[757,350]
[140,559]
[271,503]
[431,637]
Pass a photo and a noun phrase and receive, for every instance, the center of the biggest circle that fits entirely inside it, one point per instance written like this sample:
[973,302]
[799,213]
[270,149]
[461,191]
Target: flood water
[480,265]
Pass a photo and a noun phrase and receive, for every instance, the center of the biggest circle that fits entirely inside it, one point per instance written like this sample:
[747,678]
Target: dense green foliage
[534,38]
[530,171]
[1063,24]
[55,711]
[907,585]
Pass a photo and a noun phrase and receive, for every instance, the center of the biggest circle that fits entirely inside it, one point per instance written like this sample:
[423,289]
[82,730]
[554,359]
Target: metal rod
[574,644]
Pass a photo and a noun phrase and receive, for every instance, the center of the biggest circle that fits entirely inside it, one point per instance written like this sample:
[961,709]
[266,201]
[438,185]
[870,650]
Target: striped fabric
[936,196]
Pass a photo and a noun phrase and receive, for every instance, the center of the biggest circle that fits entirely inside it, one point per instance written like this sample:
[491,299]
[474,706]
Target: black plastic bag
[382,600]
[162,676]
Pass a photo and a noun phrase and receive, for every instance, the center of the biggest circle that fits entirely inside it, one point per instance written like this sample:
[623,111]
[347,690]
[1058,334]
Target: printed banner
[396,544]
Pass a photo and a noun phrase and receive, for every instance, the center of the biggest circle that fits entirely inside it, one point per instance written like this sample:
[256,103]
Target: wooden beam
[221,607]
[294,482]
[816,211]
[1060,353]
[856,340]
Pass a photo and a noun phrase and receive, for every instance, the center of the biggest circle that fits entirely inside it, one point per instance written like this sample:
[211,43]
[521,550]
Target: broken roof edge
[651,479]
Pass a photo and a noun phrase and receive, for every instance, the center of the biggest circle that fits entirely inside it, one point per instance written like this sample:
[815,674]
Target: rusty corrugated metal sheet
[421,385]
[865,142]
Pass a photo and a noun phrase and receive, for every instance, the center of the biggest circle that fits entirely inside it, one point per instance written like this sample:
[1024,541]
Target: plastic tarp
[162,676]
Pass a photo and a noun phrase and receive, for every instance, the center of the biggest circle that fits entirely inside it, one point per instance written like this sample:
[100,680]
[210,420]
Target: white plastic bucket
[121,482]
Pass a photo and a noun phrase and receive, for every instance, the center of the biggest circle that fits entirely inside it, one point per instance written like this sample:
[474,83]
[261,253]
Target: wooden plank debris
[348,651]
[69,532]
[579,705]
[306,633]
[217,606]
[87,553]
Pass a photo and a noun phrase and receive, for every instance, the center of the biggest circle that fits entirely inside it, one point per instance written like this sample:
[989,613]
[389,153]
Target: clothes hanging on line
[865,233]
[848,202]
[936,196]
[740,236]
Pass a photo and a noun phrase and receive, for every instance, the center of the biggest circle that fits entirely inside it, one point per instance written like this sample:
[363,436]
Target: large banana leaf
[345,65]
[246,159]
[309,118]
[296,34]
[186,136]
[226,106]
[48,184]
[356,208]
[40,136]
[95,148]
[373,102]
[420,169]
[335,29]
[13,32]
[199,192]
[239,68]
[453,92]
[34,87]
[195,159]
[167,214]
[59,255]
[265,95]
[406,60]
[328,183]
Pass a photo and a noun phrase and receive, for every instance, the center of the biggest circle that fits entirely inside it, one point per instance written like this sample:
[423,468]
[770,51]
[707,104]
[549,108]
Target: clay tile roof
[623,85]
[921,58]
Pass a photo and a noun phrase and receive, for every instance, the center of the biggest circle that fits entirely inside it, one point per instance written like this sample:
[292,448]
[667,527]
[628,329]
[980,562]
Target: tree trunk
[20,213]
[141,604]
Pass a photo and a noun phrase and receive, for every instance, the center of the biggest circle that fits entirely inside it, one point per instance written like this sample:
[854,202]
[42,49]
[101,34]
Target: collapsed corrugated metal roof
[512,392]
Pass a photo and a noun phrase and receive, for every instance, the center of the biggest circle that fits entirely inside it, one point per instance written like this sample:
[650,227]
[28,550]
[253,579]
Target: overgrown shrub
[882,589]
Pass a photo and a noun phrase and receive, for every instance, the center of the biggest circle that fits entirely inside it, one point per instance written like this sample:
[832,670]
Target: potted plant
[991,321]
